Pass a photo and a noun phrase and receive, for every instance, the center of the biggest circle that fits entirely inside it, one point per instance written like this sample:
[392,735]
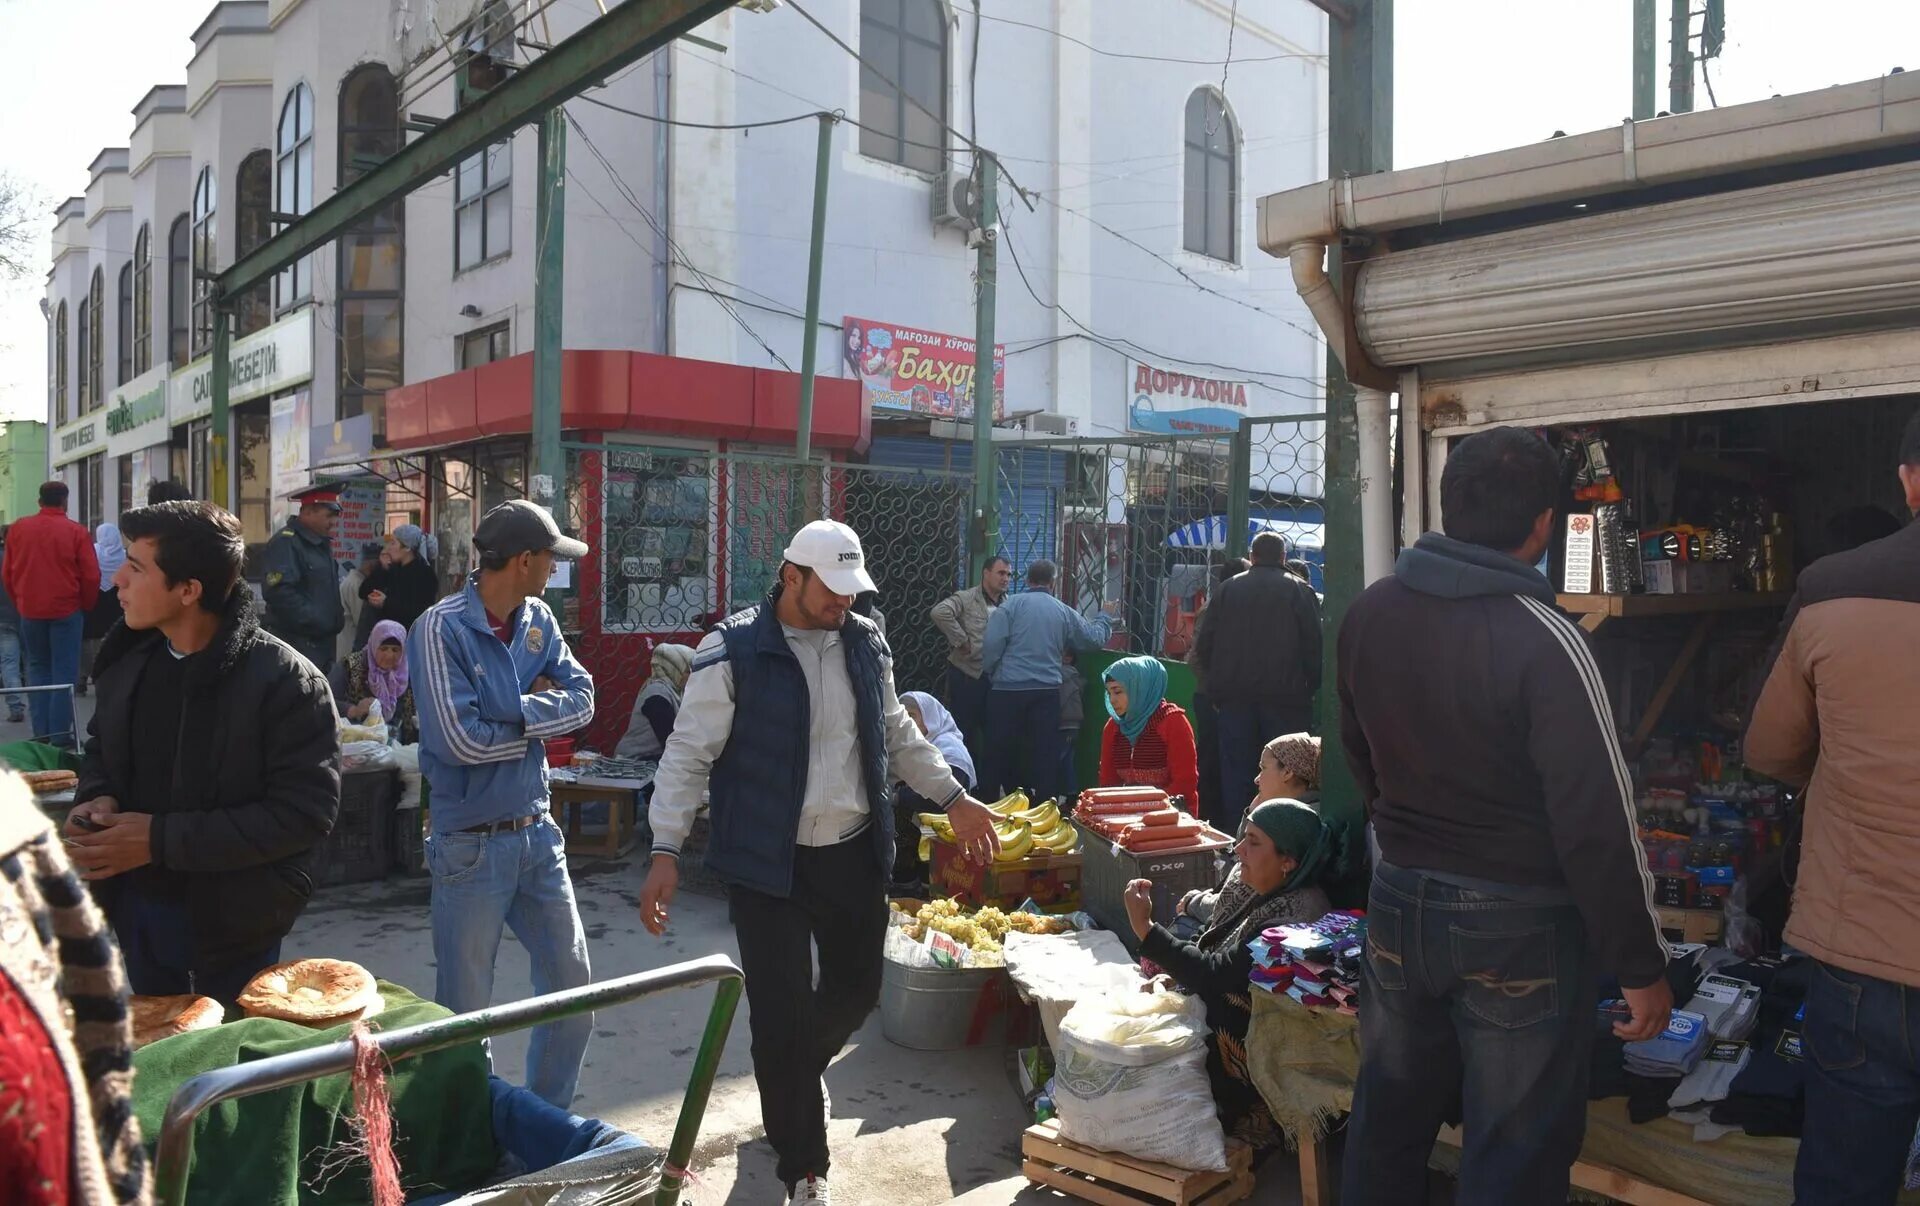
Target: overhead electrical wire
[1155,58]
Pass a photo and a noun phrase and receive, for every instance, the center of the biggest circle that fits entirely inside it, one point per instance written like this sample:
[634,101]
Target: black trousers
[839,902]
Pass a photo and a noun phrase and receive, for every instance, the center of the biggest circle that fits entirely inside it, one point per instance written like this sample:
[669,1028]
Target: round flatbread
[156,1018]
[49,781]
[313,992]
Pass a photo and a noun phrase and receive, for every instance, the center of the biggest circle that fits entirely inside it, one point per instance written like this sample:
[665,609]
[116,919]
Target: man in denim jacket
[494,680]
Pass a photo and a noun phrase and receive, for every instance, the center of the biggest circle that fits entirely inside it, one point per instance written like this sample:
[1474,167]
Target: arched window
[179,291]
[293,187]
[907,40]
[90,350]
[123,325]
[206,258]
[372,255]
[252,224]
[143,300]
[60,365]
[1212,197]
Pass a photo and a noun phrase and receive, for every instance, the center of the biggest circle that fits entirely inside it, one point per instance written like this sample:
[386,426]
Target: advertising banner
[287,425]
[1163,402]
[904,370]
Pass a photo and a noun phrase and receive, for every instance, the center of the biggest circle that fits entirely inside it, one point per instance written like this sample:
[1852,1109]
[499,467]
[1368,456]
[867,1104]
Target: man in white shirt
[791,725]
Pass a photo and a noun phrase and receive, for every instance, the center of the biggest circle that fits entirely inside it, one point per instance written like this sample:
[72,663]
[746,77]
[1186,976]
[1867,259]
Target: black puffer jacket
[256,781]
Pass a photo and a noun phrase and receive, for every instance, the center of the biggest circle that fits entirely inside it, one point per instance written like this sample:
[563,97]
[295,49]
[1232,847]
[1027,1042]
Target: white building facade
[1132,297]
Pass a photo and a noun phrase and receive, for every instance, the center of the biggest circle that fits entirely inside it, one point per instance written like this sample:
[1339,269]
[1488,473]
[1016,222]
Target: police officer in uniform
[303,582]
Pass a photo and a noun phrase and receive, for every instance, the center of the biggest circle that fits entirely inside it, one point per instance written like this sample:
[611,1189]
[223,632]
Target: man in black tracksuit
[1511,873]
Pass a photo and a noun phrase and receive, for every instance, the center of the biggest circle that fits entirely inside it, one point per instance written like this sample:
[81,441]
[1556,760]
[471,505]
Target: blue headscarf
[1146,682]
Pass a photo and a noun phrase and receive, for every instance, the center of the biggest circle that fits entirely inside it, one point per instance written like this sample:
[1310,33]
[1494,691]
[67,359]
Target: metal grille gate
[683,536]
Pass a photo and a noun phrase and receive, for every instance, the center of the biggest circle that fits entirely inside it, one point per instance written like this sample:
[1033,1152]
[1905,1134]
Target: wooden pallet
[1111,1179]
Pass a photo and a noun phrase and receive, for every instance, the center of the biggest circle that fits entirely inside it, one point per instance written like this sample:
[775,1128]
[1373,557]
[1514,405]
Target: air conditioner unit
[956,200]
[1047,422]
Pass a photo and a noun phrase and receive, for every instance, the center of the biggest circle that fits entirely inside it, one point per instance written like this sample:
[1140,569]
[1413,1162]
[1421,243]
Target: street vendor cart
[606,1167]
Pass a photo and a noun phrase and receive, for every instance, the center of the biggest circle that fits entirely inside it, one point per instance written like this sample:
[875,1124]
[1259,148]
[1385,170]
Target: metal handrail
[209,1089]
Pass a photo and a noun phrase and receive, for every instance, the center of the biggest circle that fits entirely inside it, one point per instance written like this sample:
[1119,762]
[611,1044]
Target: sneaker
[811,1191]
[16,717]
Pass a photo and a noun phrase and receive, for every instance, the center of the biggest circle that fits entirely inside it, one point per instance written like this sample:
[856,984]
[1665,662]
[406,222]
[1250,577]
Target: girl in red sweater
[1148,742]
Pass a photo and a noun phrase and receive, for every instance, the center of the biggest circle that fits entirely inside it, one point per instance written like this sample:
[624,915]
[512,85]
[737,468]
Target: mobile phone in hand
[87,823]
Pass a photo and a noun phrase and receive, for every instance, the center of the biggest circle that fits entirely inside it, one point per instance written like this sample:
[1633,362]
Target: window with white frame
[293,187]
[206,258]
[1211,197]
[143,300]
[485,346]
[907,41]
[90,349]
[483,207]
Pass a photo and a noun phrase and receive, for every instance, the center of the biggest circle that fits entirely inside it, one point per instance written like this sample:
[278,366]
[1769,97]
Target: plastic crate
[1106,871]
[410,841]
[360,848]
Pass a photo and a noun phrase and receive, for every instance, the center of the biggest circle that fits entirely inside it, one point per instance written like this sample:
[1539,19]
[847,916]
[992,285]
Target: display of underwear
[1317,965]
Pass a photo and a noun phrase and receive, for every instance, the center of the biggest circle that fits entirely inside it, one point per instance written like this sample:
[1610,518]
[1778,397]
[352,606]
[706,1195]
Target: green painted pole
[1239,488]
[1645,39]
[221,423]
[549,286]
[986,485]
[816,260]
[1680,74]
[1360,142]
[693,1107]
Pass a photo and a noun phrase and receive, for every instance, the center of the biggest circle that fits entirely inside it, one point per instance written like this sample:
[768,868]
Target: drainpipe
[1308,261]
[662,194]
[1376,482]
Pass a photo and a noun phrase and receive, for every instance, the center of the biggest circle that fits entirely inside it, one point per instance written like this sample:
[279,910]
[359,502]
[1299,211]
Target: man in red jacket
[51,572]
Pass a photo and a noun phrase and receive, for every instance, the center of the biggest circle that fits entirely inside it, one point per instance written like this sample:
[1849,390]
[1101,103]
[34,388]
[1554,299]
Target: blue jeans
[1023,743]
[10,665]
[483,883]
[1862,1039]
[156,943]
[1244,731]
[52,649]
[1474,1003]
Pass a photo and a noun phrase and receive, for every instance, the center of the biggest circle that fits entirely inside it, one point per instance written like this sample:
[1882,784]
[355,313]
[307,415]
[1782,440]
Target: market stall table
[1304,1063]
[573,789]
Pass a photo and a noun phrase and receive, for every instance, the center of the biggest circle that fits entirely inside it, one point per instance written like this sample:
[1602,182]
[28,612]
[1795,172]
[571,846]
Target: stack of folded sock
[1317,965]
[1731,1007]
[1712,1078]
[1672,1052]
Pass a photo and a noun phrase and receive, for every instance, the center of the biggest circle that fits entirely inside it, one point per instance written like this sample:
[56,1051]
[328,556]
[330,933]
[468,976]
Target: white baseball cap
[832,551]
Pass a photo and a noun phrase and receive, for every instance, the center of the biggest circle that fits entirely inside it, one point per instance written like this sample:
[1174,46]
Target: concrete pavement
[908,1127]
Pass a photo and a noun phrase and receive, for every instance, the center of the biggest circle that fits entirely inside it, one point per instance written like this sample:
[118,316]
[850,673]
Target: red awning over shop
[627,391]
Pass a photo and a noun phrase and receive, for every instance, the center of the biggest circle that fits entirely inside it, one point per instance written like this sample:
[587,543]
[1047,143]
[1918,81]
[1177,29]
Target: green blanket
[37,756]
[294,1145]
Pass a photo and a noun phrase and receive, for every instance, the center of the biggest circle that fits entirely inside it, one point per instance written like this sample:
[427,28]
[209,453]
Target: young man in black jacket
[1511,872]
[212,765]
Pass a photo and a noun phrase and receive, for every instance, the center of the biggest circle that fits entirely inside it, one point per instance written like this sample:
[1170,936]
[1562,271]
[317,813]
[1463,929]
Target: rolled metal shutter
[1840,252]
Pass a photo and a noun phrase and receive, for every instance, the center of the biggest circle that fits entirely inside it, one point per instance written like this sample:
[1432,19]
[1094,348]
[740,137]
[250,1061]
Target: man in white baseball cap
[790,723]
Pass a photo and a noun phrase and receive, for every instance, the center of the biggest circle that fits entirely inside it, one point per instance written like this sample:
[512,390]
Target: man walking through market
[212,766]
[791,725]
[1480,734]
[493,680]
[302,580]
[962,618]
[1027,638]
[54,577]
[1835,718]
[1257,648]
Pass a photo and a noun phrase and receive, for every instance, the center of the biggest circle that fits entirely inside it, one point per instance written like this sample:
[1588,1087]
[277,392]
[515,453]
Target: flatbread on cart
[156,1018]
[312,992]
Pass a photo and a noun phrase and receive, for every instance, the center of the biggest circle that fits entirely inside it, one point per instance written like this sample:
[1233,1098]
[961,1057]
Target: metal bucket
[934,1009]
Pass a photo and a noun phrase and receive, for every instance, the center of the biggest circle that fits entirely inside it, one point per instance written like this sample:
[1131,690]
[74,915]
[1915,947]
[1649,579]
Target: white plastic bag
[1131,1077]
[373,728]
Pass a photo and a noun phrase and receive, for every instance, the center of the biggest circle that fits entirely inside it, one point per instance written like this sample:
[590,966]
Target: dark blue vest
[759,782]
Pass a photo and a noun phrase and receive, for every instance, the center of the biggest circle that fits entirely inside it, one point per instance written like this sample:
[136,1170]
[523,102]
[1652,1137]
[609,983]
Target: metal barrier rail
[209,1089]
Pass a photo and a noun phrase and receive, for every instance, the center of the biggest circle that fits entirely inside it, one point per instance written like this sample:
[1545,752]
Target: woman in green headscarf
[1284,850]
[1148,741]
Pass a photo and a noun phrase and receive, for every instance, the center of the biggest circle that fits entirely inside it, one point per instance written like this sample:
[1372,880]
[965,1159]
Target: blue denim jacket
[482,737]
[1028,635]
